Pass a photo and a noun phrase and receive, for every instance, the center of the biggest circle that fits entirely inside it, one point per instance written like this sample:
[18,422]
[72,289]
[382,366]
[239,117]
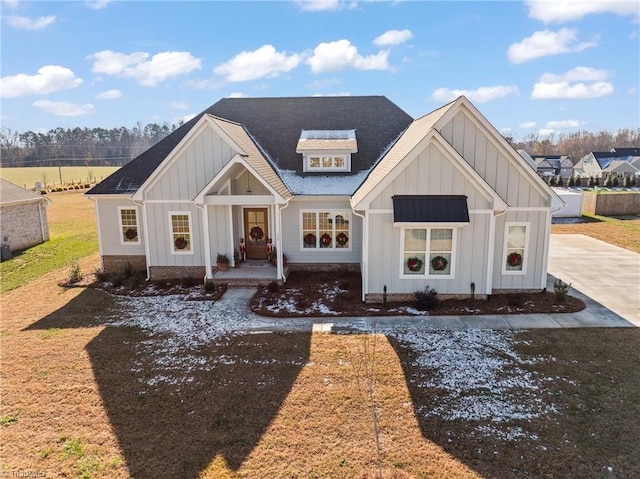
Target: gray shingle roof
[276,124]
[11,193]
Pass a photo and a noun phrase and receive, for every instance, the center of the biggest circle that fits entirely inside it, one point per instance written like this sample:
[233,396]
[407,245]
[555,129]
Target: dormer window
[327,150]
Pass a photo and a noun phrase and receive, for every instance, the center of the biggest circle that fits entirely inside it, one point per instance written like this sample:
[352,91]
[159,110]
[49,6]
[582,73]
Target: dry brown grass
[620,232]
[80,403]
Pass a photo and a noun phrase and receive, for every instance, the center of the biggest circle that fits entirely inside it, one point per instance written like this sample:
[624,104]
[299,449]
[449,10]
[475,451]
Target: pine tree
[552,180]
[577,181]
[608,183]
[570,182]
[559,182]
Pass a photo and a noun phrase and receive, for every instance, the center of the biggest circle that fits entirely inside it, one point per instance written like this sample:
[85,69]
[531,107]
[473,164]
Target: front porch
[250,273]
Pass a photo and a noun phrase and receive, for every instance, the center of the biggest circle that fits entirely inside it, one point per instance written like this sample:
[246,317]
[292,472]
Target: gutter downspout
[492,250]
[97,210]
[365,254]
[547,243]
[145,228]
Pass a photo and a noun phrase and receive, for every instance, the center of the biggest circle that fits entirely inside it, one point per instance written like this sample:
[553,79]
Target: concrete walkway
[613,298]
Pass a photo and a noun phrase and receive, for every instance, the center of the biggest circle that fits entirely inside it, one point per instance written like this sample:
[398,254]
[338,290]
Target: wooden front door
[256,230]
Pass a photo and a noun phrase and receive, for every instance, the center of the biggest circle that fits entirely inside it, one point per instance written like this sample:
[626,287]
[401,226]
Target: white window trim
[121,226]
[307,161]
[525,255]
[323,250]
[430,226]
[172,246]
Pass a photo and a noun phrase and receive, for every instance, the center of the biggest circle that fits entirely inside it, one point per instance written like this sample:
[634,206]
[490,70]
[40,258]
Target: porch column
[278,235]
[207,243]
[232,259]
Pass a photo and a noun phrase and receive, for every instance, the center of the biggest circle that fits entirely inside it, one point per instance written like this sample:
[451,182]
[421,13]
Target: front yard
[101,386]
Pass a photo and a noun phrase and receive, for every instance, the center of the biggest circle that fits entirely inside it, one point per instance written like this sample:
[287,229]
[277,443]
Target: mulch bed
[303,290]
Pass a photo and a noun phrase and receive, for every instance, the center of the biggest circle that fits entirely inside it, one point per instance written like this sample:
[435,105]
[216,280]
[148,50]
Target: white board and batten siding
[430,173]
[108,216]
[292,232]
[490,160]
[192,169]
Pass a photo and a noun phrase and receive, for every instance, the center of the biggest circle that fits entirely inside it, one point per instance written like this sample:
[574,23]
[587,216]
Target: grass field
[73,236]
[28,177]
[88,393]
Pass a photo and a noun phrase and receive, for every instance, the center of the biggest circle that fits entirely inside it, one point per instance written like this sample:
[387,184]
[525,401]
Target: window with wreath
[326,230]
[427,251]
[129,226]
[181,232]
[515,250]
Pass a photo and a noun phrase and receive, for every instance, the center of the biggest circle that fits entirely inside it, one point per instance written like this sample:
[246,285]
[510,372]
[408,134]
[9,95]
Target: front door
[256,230]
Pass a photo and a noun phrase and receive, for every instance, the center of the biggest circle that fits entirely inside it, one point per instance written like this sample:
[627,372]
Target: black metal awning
[430,209]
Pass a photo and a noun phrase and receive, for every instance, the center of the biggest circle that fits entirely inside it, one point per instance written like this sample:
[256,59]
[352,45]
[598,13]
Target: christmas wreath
[414,264]
[439,263]
[181,242]
[325,240]
[310,239]
[131,234]
[256,233]
[514,259]
[342,239]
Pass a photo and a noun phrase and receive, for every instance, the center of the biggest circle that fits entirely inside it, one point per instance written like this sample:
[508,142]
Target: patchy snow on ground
[479,375]
[482,378]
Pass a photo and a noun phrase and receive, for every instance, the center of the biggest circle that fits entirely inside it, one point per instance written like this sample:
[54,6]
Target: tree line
[79,146]
[117,146]
[577,145]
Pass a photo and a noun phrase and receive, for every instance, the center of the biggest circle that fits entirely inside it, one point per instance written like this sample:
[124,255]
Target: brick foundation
[404,297]
[349,267]
[176,272]
[115,264]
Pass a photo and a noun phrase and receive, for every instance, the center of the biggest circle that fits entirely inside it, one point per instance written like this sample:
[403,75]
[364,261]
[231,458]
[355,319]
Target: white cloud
[528,125]
[26,23]
[343,93]
[577,74]
[63,108]
[162,66]
[577,83]
[238,94]
[324,5]
[480,95]
[571,10]
[263,62]
[183,119]
[49,79]
[547,43]
[545,132]
[563,124]
[12,4]
[393,37]
[340,55]
[97,4]
[179,105]
[109,95]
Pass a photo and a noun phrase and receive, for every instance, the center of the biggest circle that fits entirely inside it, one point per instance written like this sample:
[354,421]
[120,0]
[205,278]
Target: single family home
[334,182]
[23,217]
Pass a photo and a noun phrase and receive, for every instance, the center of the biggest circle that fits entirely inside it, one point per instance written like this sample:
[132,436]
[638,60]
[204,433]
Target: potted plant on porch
[222,262]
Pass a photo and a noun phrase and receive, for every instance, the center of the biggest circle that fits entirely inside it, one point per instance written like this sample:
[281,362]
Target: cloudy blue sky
[532,66]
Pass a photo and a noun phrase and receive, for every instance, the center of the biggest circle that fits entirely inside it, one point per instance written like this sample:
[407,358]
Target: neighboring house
[23,216]
[347,182]
[554,165]
[623,161]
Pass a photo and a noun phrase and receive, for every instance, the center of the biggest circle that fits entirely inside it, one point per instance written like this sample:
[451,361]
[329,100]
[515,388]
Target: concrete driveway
[605,273]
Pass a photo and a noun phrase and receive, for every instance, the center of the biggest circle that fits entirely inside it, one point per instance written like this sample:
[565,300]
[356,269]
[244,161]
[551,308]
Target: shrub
[188,281]
[559,182]
[136,279]
[101,275]
[209,286]
[75,275]
[118,279]
[577,181]
[273,286]
[570,181]
[426,300]
[561,290]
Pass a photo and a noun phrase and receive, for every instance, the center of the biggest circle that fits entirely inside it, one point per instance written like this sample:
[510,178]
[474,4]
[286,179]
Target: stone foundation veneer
[116,264]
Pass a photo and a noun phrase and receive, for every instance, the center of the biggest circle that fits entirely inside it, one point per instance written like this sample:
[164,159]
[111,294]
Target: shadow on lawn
[212,402]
